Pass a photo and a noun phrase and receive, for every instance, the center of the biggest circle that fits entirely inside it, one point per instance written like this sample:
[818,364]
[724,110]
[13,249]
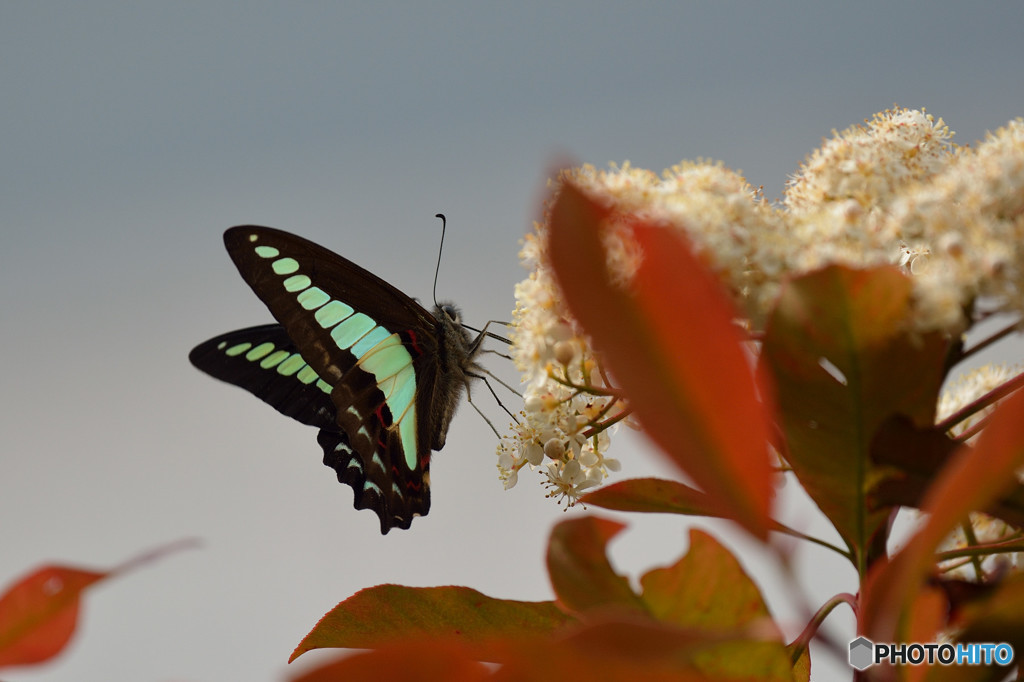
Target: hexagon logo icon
[862,652]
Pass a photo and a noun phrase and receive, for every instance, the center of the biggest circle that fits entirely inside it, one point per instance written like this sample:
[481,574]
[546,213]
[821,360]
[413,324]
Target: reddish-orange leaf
[579,569]
[659,496]
[549,664]
[971,480]
[414,660]
[625,655]
[927,616]
[997,618]
[640,649]
[844,363]
[911,458]
[707,588]
[652,495]
[671,345]
[378,616]
[38,613]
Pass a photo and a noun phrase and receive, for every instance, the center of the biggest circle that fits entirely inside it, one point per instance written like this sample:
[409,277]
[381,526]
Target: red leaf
[652,495]
[416,660]
[671,344]
[630,650]
[579,569]
[378,616]
[707,589]
[997,618]
[38,613]
[927,618]
[613,651]
[844,363]
[971,480]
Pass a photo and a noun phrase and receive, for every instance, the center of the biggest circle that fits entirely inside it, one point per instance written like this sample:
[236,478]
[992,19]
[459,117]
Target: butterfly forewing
[373,346]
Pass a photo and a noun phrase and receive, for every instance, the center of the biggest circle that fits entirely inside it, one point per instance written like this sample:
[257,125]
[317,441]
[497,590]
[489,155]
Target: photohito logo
[864,653]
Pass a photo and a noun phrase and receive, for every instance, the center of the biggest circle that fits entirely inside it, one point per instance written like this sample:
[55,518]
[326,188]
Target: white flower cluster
[967,388]
[568,408]
[892,191]
[983,529]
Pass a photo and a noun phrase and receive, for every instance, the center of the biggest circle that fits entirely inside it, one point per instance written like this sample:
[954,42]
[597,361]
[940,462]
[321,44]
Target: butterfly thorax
[456,365]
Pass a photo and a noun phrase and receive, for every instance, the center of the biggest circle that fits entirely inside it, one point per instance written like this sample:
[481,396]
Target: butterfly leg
[483,377]
[481,334]
[498,353]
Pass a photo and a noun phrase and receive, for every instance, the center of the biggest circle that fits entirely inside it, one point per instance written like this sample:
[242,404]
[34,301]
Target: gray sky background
[133,134]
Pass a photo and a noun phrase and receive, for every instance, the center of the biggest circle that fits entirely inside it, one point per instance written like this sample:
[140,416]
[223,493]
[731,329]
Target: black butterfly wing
[375,347]
[264,361]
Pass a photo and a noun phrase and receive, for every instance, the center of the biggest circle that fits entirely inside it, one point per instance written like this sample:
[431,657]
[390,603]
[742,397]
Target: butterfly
[378,374]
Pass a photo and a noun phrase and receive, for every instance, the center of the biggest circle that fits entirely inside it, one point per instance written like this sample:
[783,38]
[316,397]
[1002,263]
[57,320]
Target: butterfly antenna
[437,270]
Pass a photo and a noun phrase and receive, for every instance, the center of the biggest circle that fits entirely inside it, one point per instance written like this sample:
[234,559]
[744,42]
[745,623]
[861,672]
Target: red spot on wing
[383,424]
[409,485]
[412,340]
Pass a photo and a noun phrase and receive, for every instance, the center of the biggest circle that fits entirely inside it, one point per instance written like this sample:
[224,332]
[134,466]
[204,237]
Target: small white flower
[533,453]
[512,479]
[568,480]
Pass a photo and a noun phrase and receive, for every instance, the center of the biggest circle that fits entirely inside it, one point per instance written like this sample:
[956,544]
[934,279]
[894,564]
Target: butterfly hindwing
[375,484]
[264,361]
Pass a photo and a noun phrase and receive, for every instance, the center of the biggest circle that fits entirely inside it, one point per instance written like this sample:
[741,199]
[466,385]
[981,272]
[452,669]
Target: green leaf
[844,363]
[578,566]
[376,616]
[670,343]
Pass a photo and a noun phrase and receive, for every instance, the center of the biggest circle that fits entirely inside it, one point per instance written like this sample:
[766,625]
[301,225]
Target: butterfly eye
[451,312]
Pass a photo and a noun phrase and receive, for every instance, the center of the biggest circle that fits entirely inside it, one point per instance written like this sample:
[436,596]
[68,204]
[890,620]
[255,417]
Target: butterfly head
[450,317]
[450,312]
